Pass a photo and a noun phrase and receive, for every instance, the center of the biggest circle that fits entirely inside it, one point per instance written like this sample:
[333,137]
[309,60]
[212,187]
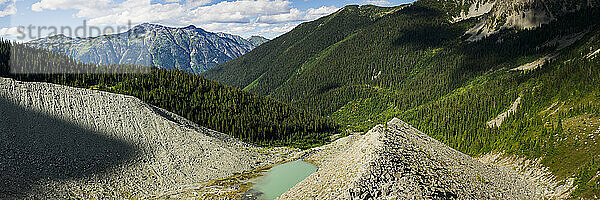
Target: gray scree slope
[62,142]
[400,162]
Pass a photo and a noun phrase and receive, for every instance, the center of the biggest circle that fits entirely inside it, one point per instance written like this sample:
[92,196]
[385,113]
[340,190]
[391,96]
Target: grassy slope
[413,64]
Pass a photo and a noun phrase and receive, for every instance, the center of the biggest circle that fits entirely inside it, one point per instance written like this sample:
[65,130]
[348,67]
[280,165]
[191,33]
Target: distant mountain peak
[188,48]
[190,27]
[146,26]
[257,37]
[60,35]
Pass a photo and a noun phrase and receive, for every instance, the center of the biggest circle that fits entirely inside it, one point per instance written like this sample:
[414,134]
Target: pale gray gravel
[399,162]
[63,142]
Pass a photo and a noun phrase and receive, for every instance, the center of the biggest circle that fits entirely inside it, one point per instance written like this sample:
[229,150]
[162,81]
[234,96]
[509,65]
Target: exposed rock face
[520,14]
[476,9]
[258,40]
[190,48]
[497,122]
[400,162]
[61,142]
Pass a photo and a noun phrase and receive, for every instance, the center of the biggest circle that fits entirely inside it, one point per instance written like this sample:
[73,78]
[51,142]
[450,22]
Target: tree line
[255,119]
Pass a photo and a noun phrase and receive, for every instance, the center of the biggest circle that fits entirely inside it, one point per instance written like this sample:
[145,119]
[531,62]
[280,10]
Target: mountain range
[190,48]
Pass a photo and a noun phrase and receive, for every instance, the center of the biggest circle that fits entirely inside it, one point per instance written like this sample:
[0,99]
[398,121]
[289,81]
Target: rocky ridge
[63,142]
[397,161]
[496,15]
[189,48]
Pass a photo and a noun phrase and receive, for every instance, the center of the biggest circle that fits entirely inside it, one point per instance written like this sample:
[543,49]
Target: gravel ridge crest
[396,161]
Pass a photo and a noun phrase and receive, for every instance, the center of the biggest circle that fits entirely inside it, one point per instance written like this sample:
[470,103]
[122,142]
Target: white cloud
[278,29]
[241,11]
[107,12]
[312,13]
[135,11]
[226,16]
[247,29]
[293,15]
[7,7]
[12,32]
[235,28]
[378,2]
[297,15]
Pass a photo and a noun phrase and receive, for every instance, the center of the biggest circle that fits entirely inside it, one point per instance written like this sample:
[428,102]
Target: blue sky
[269,18]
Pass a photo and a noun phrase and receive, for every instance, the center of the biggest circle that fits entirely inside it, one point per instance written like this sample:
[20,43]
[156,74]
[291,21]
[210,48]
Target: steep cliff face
[190,48]
[61,142]
[258,40]
[520,14]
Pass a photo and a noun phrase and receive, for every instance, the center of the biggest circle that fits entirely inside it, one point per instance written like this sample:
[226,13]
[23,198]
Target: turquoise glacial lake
[283,177]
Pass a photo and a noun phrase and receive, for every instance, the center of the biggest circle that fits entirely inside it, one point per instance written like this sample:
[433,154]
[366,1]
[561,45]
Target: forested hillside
[271,64]
[256,119]
[417,63]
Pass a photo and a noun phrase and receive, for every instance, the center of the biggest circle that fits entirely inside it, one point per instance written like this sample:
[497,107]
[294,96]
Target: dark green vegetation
[256,119]
[362,66]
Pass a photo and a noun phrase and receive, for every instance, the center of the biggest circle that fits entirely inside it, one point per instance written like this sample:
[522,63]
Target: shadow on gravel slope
[37,147]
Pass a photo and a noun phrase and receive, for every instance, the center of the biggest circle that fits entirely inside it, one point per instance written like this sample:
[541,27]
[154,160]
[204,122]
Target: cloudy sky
[269,18]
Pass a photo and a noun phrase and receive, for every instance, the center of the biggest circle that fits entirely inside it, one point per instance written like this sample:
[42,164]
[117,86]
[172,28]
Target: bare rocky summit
[399,162]
[62,142]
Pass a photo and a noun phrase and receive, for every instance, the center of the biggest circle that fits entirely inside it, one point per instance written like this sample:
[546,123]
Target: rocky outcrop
[399,162]
[533,170]
[61,142]
[592,55]
[497,15]
[497,122]
[475,9]
[189,48]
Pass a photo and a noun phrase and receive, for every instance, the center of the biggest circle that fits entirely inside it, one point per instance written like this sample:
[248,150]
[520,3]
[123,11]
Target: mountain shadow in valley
[37,147]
